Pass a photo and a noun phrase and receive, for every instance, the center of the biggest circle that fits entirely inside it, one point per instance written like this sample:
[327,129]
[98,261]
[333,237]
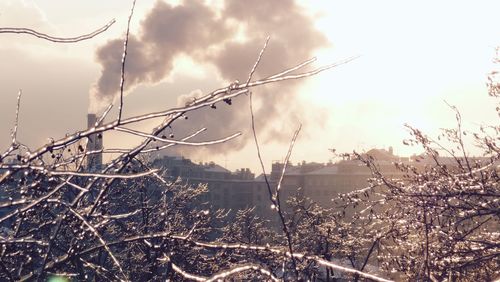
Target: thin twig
[56,39]
[35,202]
[124,58]
[123,151]
[16,123]
[460,140]
[228,273]
[321,261]
[204,143]
[257,62]
[292,69]
[102,175]
[274,197]
[99,237]
[104,114]
[278,206]
[53,235]
[271,198]
[282,77]
[287,158]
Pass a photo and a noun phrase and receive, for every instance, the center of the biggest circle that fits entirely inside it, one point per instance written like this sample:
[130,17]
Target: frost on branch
[439,218]
[124,220]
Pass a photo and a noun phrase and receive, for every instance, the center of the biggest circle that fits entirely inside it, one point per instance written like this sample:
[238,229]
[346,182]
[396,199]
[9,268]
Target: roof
[293,171]
[381,154]
[302,169]
[216,168]
[327,170]
[261,178]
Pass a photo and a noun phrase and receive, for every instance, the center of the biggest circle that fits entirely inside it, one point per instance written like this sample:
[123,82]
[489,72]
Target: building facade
[241,189]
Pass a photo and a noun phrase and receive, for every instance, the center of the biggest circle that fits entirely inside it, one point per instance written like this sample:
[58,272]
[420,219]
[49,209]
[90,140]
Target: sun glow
[412,62]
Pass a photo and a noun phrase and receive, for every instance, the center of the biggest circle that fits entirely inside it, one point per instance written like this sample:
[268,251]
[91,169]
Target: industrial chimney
[94,161]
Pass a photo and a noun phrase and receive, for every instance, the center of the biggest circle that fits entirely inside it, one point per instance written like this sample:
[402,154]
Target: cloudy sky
[413,57]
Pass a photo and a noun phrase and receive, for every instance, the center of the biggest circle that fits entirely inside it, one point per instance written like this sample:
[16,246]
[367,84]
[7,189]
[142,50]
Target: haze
[413,58]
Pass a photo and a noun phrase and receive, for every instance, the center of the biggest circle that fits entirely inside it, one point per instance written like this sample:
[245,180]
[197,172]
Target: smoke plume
[230,39]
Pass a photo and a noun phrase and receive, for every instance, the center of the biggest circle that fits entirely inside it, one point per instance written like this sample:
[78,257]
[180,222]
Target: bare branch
[35,202]
[164,140]
[281,77]
[238,269]
[292,69]
[101,175]
[104,114]
[124,58]
[287,158]
[155,149]
[56,39]
[99,237]
[281,251]
[278,203]
[14,131]
[257,62]
[274,197]
[270,192]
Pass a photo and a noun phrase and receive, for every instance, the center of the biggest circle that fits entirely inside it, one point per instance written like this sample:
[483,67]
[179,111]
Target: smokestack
[210,36]
[94,161]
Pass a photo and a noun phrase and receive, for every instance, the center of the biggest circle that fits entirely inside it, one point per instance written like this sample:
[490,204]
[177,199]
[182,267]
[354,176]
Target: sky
[414,56]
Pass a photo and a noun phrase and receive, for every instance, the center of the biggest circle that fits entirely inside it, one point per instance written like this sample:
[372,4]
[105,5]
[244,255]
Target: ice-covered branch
[124,59]
[44,36]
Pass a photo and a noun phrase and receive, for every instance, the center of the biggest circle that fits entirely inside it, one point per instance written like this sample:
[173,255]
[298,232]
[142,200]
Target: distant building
[319,182]
[322,182]
[226,189]
[240,189]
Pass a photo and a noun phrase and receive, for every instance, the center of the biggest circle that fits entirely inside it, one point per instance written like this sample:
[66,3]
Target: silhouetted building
[240,189]
[226,190]
[323,182]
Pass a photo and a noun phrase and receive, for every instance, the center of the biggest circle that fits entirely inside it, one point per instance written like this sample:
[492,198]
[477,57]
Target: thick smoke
[166,32]
[209,36]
